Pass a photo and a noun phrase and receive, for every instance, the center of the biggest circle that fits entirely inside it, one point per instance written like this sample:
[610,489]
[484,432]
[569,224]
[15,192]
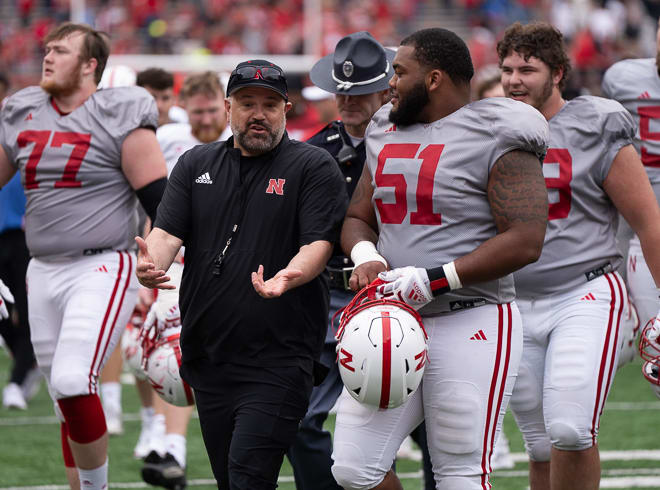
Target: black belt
[96,251]
[339,277]
[599,271]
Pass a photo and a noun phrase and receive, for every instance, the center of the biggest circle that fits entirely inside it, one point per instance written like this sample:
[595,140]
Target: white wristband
[452,276]
[365,251]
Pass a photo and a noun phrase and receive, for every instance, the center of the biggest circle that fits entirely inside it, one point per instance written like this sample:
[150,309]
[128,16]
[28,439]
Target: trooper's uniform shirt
[430,198]
[571,299]
[636,85]
[80,224]
[332,138]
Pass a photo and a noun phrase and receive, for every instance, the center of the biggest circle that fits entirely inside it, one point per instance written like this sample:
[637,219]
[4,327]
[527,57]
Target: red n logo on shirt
[276,186]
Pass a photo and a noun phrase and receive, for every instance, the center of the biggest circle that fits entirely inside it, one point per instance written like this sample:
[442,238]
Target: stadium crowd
[597,32]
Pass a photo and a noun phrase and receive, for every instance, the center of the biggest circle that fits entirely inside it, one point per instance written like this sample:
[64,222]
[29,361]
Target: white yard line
[633,481]
[632,406]
[134,417]
[632,455]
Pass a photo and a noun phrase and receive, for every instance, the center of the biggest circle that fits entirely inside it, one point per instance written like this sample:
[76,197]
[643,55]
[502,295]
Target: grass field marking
[616,482]
[631,482]
[632,406]
[615,472]
[631,455]
[135,417]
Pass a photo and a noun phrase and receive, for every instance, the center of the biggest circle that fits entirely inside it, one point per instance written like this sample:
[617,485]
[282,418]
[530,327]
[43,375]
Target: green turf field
[30,448]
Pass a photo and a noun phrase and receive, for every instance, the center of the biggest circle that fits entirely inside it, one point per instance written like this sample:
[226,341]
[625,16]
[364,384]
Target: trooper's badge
[347,68]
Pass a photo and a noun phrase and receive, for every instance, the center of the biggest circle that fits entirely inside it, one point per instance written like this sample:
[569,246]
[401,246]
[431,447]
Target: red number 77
[40,139]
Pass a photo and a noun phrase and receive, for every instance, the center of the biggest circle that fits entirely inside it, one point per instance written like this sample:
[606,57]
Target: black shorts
[249,422]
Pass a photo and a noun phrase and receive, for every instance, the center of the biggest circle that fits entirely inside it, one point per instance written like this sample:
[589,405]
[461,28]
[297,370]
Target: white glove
[5,296]
[408,284]
[160,318]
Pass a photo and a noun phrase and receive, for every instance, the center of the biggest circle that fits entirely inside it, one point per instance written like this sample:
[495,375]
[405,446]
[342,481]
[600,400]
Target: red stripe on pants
[611,352]
[105,321]
[129,273]
[505,374]
[493,384]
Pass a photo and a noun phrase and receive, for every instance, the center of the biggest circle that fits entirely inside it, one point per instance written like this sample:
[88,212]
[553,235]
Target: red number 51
[396,212]
[40,139]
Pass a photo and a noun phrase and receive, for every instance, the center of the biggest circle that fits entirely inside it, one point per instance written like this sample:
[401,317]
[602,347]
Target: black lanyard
[240,214]
[219,259]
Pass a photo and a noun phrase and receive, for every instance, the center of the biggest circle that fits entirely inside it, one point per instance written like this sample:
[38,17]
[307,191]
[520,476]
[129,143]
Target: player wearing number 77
[83,155]
[571,300]
[452,195]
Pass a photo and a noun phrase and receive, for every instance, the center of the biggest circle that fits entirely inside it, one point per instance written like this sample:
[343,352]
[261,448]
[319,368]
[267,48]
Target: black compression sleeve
[150,196]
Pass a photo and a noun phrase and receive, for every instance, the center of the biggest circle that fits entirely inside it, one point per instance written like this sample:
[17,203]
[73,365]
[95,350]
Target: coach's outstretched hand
[146,269]
[275,286]
[5,296]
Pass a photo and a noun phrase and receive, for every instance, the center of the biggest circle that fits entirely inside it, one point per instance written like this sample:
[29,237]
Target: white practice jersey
[636,85]
[176,138]
[77,195]
[430,187]
[585,137]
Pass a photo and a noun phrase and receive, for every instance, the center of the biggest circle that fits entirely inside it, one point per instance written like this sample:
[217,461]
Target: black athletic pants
[14,258]
[249,420]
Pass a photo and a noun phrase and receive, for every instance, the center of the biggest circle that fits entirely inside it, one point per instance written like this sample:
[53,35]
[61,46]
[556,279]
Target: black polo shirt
[294,195]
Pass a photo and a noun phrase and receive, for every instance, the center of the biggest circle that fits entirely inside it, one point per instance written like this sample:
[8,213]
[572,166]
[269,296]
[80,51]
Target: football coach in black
[256,206]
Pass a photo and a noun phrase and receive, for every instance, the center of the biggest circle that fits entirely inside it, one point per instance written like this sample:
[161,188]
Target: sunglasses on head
[263,72]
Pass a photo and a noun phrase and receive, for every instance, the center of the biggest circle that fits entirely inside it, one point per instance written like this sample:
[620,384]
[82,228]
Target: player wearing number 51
[83,156]
[571,300]
[452,199]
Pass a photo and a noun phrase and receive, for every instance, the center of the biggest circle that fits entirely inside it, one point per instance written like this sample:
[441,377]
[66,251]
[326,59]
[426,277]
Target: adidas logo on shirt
[480,335]
[205,178]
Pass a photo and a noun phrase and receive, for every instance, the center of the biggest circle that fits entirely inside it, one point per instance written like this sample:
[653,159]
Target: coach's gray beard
[259,144]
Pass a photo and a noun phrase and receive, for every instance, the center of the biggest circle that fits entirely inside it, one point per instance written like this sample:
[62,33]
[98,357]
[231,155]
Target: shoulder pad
[514,124]
[22,102]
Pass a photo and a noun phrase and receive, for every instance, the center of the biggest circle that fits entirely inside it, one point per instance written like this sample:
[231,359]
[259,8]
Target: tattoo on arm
[516,191]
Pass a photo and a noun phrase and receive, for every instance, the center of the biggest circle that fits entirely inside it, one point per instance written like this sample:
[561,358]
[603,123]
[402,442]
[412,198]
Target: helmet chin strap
[346,85]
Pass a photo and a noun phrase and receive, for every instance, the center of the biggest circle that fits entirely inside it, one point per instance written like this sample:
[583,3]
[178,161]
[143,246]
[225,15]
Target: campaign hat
[359,65]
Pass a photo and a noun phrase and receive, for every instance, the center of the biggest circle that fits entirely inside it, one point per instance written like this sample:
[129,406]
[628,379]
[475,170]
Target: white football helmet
[381,349]
[649,350]
[117,76]
[131,346]
[161,363]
